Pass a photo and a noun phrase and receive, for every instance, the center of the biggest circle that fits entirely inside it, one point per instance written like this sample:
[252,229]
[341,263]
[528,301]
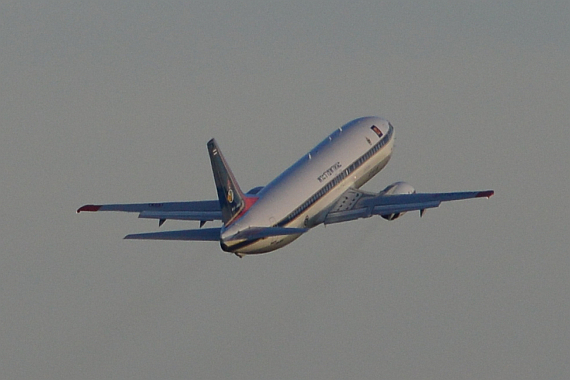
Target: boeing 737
[322,187]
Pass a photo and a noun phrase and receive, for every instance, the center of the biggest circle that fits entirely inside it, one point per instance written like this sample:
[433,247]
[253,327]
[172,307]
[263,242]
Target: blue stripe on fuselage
[323,191]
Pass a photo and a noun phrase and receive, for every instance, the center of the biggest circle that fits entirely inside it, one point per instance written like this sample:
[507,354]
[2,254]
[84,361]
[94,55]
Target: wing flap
[366,212]
[202,216]
[205,234]
[392,209]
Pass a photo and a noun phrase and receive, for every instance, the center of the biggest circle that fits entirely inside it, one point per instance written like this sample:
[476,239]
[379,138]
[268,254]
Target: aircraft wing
[204,234]
[355,204]
[213,234]
[253,233]
[197,210]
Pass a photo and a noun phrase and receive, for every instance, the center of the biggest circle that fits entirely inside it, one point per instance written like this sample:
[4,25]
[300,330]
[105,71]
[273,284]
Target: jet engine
[395,189]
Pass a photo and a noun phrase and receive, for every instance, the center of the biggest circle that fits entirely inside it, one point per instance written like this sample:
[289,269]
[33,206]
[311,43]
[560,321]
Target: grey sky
[104,102]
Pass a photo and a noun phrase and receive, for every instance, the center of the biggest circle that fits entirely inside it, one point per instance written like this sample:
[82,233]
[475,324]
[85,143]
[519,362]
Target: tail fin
[232,200]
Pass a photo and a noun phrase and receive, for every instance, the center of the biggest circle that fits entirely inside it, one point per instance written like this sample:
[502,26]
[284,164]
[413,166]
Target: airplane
[322,187]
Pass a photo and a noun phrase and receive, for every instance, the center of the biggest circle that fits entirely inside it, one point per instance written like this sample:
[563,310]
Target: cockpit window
[377,131]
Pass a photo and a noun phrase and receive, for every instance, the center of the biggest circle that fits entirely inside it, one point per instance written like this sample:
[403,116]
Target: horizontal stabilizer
[205,234]
[254,233]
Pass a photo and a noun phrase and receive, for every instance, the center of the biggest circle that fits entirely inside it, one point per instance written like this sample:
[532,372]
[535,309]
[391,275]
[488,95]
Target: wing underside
[199,210]
[353,204]
[213,234]
[364,205]
[204,234]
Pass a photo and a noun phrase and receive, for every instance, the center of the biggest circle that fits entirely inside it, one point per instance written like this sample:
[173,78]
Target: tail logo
[231,198]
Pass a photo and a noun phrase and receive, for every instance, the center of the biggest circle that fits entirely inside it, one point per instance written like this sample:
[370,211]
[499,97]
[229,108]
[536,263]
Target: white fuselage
[302,195]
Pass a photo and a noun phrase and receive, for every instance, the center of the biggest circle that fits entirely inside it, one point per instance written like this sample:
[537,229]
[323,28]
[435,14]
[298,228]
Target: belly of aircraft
[265,245]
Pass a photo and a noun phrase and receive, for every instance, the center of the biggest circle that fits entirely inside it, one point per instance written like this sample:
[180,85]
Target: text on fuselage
[329,172]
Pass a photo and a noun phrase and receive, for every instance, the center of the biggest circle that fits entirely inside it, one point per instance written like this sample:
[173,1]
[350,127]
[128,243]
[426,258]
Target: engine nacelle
[395,189]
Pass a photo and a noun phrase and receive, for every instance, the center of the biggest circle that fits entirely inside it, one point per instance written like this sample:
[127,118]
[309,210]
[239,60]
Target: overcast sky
[108,102]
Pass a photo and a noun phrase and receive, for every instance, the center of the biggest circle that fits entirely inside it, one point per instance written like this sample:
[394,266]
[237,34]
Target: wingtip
[134,237]
[485,194]
[91,208]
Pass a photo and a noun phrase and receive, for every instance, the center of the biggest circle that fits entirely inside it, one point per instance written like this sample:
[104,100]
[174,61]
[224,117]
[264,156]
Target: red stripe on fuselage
[248,202]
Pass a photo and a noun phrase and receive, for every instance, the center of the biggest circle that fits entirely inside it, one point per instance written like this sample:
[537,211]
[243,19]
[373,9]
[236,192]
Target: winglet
[486,194]
[91,208]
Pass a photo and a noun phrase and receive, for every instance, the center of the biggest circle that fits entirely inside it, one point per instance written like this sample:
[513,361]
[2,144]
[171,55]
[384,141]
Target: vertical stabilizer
[232,199]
